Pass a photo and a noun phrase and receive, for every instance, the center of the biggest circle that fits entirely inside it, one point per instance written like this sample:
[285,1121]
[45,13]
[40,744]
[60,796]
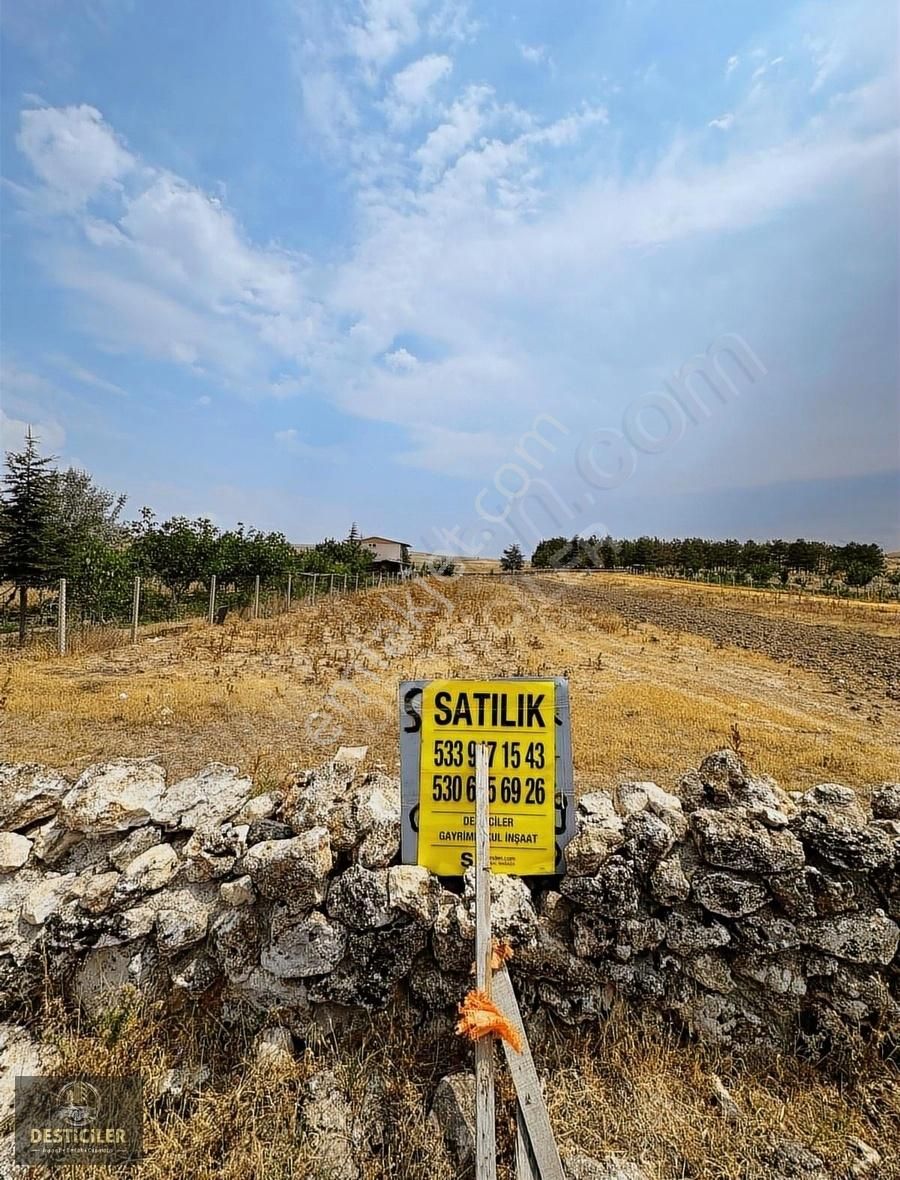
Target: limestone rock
[212,851]
[264,991]
[611,1167]
[359,898]
[28,792]
[863,938]
[599,833]
[181,926]
[512,915]
[238,892]
[258,807]
[886,801]
[293,870]
[20,1055]
[182,1081]
[268,829]
[635,797]
[668,882]
[378,814]
[730,839]
[136,842]
[612,892]
[835,835]
[688,935]
[234,942]
[52,842]
[274,1047]
[113,797]
[790,1160]
[150,871]
[14,850]
[452,1118]
[414,890]
[108,976]
[331,1129]
[46,898]
[97,892]
[647,839]
[863,1158]
[727,893]
[209,797]
[302,944]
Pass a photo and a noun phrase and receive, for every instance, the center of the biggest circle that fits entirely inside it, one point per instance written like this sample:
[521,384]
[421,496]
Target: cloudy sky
[461,272]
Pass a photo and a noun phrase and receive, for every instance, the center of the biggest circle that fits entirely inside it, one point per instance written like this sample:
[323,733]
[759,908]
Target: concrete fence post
[212,599]
[256,597]
[61,618]
[135,609]
[315,579]
[345,583]
[331,584]
[289,588]
[357,582]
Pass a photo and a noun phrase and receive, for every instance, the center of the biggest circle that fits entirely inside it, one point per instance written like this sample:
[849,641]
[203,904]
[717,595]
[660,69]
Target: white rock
[113,797]
[635,797]
[95,894]
[28,792]
[238,892]
[181,927]
[151,870]
[20,1055]
[133,845]
[414,890]
[14,850]
[378,815]
[302,944]
[257,808]
[208,798]
[274,1047]
[53,842]
[46,898]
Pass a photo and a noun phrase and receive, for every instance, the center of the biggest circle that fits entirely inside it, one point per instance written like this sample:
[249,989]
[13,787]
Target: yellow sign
[515,720]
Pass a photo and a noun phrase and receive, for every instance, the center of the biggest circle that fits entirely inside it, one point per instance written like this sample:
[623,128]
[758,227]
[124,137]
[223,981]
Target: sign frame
[410,713]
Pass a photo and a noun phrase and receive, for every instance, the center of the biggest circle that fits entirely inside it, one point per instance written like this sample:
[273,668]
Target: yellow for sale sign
[515,720]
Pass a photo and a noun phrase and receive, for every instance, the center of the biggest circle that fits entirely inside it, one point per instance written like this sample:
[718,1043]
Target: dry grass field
[649,699]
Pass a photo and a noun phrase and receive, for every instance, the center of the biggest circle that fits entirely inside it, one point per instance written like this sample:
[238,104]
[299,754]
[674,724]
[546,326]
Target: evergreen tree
[512,559]
[28,535]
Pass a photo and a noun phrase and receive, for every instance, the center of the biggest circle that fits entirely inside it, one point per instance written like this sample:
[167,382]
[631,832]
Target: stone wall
[747,914]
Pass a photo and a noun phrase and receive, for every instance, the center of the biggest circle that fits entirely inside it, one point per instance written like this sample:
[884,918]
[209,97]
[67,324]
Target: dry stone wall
[747,914]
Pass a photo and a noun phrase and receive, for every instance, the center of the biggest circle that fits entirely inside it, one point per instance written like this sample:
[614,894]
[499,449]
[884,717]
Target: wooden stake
[485,1133]
[256,598]
[135,609]
[212,599]
[289,588]
[528,1086]
[61,617]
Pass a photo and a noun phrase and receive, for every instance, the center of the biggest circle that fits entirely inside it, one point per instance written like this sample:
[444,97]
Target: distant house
[386,553]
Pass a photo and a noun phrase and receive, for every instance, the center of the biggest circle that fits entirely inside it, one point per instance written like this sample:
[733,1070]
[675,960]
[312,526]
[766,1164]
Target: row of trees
[56,524]
[856,563]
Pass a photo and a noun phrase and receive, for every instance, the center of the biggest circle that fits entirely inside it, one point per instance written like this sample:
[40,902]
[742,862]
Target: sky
[466,274]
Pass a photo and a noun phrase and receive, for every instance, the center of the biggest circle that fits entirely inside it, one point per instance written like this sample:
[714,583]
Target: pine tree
[354,533]
[28,551]
[512,559]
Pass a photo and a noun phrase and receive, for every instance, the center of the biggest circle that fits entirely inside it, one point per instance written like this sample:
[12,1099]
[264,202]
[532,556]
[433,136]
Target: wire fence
[124,608]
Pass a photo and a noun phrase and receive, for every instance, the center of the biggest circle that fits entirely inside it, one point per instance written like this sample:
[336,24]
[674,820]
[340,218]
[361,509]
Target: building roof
[386,540]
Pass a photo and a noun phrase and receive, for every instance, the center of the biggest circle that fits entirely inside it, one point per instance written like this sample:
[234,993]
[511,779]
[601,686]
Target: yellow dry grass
[629,1086]
[285,692]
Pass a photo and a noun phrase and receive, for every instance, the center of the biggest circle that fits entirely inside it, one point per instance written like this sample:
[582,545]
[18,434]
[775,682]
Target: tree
[512,559]
[353,535]
[28,554]
[178,551]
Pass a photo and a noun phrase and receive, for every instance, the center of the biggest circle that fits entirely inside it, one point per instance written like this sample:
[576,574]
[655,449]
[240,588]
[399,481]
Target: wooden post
[485,1133]
[315,576]
[256,598]
[289,588]
[135,609]
[212,599]
[356,587]
[381,578]
[345,583]
[61,617]
[331,584]
[532,1109]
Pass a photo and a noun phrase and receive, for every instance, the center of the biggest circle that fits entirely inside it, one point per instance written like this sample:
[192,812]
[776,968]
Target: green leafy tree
[28,533]
[512,559]
[178,552]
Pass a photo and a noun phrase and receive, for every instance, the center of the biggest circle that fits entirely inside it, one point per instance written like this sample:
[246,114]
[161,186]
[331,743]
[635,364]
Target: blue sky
[446,269]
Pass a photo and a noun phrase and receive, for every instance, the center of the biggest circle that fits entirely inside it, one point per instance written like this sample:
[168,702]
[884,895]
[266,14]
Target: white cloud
[463,122]
[731,65]
[401,361]
[411,88]
[534,54]
[204,400]
[73,151]
[384,27]
[723,123]
[87,377]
